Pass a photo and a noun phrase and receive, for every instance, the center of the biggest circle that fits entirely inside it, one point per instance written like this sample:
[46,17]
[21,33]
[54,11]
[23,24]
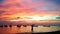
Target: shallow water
[22,29]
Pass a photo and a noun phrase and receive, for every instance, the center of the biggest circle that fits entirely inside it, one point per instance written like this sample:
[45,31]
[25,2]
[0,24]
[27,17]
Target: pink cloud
[12,7]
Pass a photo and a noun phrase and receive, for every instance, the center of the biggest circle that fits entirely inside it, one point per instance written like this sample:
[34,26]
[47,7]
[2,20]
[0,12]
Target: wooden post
[32,28]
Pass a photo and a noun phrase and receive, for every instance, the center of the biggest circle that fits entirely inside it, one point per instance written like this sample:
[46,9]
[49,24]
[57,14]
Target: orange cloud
[18,8]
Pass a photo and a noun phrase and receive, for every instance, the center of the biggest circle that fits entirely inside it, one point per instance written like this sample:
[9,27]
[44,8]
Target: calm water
[23,29]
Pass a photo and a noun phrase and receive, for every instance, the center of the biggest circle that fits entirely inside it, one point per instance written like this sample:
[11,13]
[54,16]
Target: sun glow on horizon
[35,18]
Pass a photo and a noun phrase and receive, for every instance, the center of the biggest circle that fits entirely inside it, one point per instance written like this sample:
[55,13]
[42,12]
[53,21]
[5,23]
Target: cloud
[27,7]
[2,11]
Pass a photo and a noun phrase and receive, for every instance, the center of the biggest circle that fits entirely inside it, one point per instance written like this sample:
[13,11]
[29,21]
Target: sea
[28,29]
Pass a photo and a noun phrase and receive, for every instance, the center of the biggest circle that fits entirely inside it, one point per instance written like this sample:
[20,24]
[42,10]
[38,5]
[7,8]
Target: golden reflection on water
[15,29]
[23,29]
[46,29]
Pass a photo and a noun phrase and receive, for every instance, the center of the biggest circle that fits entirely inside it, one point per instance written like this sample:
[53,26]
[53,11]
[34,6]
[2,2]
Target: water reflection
[25,29]
[46,29]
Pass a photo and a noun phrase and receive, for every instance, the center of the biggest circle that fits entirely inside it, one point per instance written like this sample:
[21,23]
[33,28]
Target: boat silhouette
[1,25]
[18,25]
[5,25]
[10,25]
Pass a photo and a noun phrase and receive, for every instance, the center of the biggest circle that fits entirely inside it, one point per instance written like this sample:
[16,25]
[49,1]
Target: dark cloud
[10,5]
[18,5]
[31,9]
[2,11]
[4,6]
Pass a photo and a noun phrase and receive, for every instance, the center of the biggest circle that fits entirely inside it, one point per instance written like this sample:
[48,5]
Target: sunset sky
[40,14]
[19,8]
